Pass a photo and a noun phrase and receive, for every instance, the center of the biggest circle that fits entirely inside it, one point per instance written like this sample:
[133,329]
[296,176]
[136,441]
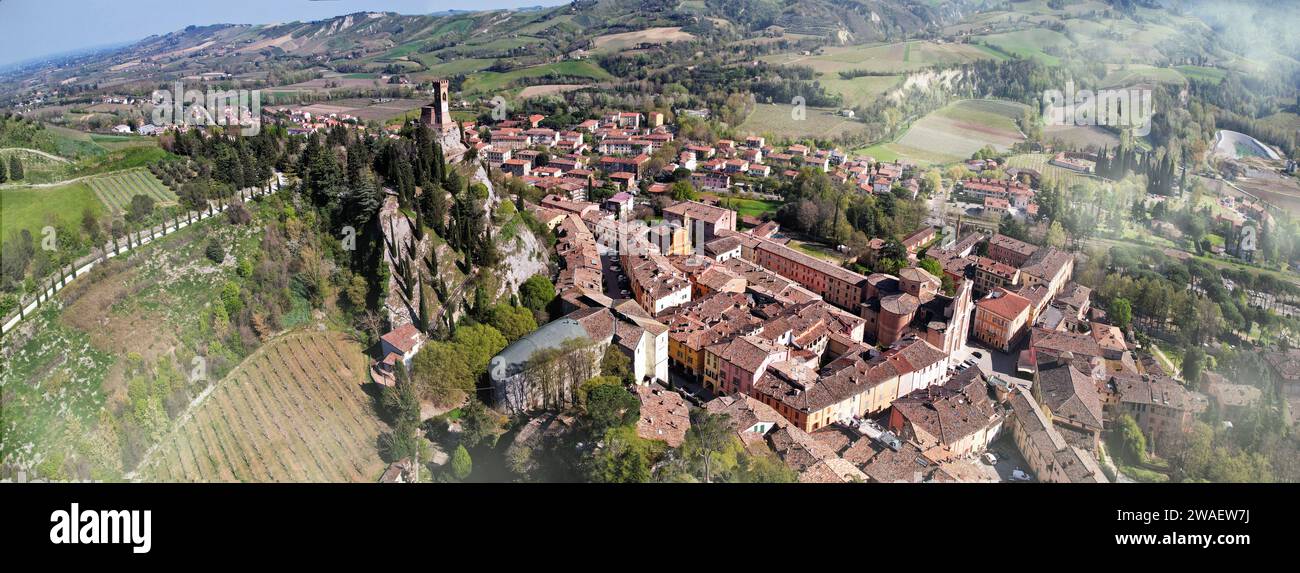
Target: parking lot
[990,361]
[614,276]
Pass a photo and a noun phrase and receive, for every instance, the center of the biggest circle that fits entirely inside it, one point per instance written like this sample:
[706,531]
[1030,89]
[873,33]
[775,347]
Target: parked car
[1018,475]
[990,459]
[977,354]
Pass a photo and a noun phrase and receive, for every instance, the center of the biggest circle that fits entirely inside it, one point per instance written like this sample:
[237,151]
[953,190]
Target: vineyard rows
[116,190]
[292,412]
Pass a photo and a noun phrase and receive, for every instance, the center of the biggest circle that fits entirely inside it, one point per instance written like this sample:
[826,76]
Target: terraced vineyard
[1040,163]
[115,190]
[294,411]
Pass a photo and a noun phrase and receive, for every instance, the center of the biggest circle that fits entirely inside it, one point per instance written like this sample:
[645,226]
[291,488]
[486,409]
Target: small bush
[215,252]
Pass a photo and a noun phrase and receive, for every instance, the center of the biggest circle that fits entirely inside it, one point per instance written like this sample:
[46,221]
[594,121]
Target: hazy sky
[34,28]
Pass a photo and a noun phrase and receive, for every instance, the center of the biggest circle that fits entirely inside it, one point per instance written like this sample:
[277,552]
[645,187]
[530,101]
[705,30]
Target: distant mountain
[390,42]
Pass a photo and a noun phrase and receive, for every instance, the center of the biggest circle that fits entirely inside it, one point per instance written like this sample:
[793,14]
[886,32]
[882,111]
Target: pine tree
[4,172]
[425,313]
[15,168]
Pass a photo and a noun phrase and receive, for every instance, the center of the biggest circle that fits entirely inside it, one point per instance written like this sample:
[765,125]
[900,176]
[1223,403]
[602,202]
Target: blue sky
[34,28]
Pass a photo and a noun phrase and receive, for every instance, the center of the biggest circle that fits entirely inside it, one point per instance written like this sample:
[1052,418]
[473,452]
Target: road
[88,262]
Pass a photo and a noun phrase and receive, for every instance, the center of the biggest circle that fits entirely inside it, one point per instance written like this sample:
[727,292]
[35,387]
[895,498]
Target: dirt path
[46,155]
[1166,362]
[63,182]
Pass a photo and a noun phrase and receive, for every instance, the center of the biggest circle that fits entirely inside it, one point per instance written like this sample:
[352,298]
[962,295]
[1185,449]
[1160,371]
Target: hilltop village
[906,376]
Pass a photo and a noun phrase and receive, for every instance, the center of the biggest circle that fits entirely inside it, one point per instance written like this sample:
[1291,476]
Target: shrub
[215,252]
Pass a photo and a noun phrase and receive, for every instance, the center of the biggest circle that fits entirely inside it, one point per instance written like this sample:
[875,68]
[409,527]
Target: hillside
[386,42]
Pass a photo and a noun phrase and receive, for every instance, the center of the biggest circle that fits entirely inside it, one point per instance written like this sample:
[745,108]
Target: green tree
[401,404]
[1121,313]
[4,172]
[1193,365]
[684,191]
[1131,444]
[931,266]
[616,364]
[461,464]
[480,424]
[513,321]
[446,371]
[214,251]
[15,168]
[140,209]
[624,457]
[537,292]
[609,406]
[711,447]
[1056,235]
[765,468]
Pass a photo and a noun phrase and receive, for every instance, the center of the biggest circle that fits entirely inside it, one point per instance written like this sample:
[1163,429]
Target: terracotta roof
[1008,305]
[819,265]
[746,352]
[665,415]
[1159,391]
[1012,244]
[697,210]
[1046,263]
[951,412]
[404,337]
[1069,393]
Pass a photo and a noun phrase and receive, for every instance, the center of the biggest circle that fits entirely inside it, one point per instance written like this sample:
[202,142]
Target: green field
[860,91]
[954,133]
[1202,73]
[33,209]
[1132,74]
[748,207]
[1033,43]
[117,189]
[485,82]
[776,121]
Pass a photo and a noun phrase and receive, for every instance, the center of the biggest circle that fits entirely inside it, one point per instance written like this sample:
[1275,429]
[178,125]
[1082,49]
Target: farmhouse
[397,347]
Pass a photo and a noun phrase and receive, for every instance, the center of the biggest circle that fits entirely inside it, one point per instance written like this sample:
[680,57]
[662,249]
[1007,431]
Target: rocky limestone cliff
[522,254]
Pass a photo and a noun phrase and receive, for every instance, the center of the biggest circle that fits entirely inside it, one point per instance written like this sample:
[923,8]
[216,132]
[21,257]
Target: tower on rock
[437,115]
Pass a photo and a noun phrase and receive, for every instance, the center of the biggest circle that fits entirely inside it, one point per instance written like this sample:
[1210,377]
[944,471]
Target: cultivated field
[1080,136]
[898,57]
[619,42]
[775,120]
[547,89]
[860,91]
[1032,43]
[1039,162]
[115,190]
[1128,75]
[294,411]
[955,132]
